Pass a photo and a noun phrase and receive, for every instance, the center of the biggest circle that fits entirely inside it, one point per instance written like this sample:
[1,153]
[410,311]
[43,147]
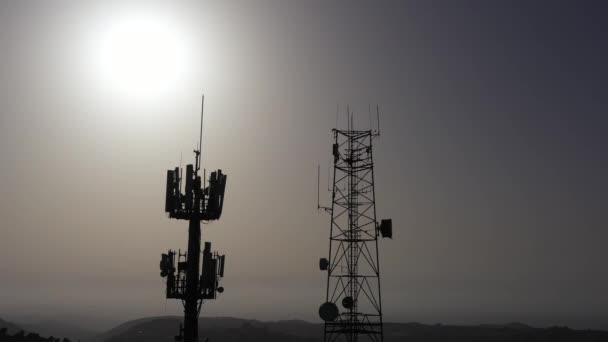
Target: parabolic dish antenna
[328,312]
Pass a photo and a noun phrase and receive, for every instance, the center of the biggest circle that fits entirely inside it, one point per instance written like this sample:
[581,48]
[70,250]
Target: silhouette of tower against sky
[353,309]
[201,201]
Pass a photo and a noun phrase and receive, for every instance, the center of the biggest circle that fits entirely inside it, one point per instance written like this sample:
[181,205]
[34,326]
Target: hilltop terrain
[225,329]
[233,329]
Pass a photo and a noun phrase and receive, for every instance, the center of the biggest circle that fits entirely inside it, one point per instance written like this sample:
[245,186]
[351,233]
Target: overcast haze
[492,161]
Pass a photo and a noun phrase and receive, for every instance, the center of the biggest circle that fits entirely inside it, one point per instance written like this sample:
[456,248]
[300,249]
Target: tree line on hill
[21,336]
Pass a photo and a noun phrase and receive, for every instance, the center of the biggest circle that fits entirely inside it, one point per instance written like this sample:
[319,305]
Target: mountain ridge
[228,329]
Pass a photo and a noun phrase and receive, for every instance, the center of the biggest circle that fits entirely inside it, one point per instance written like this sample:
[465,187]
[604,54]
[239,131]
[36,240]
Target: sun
[141,55]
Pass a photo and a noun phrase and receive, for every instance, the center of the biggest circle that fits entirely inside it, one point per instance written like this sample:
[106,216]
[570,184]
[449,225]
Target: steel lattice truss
[353,269]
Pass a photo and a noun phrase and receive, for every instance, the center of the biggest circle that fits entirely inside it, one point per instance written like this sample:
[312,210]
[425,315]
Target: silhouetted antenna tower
[353,308]
[199,202]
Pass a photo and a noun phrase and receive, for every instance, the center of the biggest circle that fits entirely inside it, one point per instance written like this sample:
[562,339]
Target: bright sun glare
[141,55]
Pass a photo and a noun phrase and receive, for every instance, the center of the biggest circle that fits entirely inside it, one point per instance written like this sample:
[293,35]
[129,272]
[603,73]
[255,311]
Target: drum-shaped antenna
[347,302]
[328,312]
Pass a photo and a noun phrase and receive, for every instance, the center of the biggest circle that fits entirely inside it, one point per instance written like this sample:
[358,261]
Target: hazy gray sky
[492,161]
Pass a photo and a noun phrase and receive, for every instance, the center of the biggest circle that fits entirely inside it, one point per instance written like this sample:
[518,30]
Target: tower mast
[200,202]
[353,265]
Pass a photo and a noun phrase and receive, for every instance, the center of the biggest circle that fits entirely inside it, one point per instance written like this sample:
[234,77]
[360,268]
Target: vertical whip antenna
[369,112]
[318,186]
[378,118]
[347,117]
[180,174]
[200,137]
[337,114]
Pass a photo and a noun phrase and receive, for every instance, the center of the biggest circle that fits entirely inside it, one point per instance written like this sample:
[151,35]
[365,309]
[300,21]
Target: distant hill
[133,327]
[59,328]
[10,332]
[11,327]
[232,329]
[222,328]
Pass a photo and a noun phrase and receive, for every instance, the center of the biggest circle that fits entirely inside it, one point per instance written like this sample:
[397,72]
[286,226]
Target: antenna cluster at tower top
[373,127]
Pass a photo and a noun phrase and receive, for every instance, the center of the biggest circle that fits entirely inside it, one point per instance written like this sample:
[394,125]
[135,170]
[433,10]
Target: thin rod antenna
[200,137]
[347,119]
[378,118]
[180,175]
[337,114]
[369,112]
[318,186]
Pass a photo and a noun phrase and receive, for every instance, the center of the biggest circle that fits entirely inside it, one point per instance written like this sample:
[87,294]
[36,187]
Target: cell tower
[353,266]
[200,202]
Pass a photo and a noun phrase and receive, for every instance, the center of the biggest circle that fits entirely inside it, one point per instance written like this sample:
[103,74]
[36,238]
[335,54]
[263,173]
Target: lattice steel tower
[202,201]
[353,266]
